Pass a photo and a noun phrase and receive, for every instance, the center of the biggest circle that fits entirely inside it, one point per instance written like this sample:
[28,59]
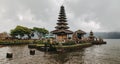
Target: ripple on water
[98,54]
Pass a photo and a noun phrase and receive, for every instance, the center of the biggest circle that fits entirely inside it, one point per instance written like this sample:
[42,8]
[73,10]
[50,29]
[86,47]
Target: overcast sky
[96,15]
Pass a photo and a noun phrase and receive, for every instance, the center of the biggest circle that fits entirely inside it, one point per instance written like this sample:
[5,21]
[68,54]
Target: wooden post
[9,55]
[32,52]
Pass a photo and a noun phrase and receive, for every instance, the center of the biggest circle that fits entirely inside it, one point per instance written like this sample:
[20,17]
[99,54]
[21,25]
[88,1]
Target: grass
[40,44]
[55,47]
[70,46]
[14,42]
[65,45]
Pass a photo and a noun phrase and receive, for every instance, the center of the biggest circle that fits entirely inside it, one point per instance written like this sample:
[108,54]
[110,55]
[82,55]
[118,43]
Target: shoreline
[57,48]
[1,46]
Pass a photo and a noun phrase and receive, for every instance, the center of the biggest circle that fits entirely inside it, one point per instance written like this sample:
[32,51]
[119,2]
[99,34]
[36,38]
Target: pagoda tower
[62,32]
[91,36]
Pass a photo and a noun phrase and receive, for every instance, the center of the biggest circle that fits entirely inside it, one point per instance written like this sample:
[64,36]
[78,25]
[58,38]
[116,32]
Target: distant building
[4,35]
[49,35]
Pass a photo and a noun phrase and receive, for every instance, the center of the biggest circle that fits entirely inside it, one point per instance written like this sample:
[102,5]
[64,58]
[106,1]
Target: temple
[63,39]
[62,33]
[91,36]
[78,36]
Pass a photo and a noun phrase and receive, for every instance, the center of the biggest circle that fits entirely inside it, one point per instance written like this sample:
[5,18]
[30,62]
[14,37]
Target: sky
[87,15]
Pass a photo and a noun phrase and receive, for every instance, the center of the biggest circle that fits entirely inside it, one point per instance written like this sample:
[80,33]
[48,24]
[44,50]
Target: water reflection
[69,58]
[21,56]
[100,54]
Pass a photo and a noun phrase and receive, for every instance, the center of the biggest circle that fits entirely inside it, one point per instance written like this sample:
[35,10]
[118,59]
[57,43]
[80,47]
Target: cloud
[86,23]
[106,11]
[19,14]
[91,25]
[25,16]
[96,15]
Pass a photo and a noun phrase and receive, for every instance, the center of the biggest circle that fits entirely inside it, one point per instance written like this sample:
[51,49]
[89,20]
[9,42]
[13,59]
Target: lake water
[97,54]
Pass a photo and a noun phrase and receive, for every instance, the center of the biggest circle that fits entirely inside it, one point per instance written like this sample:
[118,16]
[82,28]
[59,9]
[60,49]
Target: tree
[40,31]
[20,30]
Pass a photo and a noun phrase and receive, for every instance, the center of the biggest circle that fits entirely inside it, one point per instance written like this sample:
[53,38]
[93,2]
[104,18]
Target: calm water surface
[97,54]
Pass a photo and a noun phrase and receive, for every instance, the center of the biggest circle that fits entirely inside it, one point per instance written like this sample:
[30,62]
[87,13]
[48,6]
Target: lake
[96,54]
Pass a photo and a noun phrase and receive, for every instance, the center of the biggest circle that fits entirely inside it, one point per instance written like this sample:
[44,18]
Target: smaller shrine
[91,36]
[78,36]
[95,40]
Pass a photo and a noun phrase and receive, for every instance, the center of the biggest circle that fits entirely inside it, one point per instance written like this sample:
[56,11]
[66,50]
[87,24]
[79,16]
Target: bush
[69,43]
[40,42]
[14,42]
[56,43]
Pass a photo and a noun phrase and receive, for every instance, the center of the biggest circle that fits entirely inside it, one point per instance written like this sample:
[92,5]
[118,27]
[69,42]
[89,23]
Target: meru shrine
[63,34]
[65,39]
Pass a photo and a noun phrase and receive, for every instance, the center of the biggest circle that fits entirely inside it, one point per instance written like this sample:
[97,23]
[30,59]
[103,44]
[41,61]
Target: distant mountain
[107,35]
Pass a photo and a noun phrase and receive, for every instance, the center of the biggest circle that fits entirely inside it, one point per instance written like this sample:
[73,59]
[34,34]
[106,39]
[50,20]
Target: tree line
[21,31]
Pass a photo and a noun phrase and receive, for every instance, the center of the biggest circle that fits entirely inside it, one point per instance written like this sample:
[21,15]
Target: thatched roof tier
[62,15]
[91,35]
[62,20]
[61,32]
[62,23]
[80,32]
[61,27]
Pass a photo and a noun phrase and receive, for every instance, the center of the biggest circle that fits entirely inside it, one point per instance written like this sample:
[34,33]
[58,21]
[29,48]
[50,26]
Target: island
[65,39]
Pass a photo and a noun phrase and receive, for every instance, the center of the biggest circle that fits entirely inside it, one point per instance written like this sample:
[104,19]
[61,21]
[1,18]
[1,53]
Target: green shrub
[39,42]
[56,43]
[69,43]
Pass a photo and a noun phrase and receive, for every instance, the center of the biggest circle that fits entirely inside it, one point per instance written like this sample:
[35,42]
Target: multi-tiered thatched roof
[62,27]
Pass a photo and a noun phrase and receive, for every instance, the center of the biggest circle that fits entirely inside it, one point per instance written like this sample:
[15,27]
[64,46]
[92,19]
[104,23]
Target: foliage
[20,30]
[40,42]
[40,31]
[15,42]
[69,43]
